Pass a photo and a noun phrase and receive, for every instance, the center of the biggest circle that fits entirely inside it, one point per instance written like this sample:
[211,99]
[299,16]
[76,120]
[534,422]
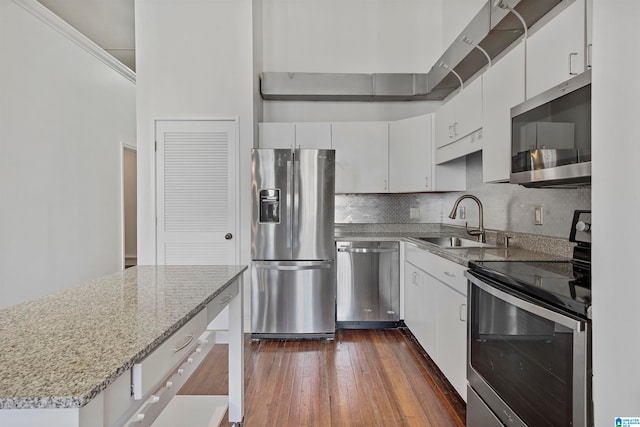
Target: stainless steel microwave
[551,137]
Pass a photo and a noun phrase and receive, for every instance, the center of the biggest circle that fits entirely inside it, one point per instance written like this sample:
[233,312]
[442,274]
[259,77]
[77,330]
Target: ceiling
[108,23]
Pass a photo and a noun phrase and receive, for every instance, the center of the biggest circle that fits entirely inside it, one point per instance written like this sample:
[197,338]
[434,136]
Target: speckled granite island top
[61,350]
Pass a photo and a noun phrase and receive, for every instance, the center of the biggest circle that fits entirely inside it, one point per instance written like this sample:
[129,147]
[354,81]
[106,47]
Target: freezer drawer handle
[292,267]
[367,250]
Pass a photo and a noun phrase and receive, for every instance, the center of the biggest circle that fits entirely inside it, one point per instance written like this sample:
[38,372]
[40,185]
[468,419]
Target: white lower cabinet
[452,336]
[420,309]
[436,311]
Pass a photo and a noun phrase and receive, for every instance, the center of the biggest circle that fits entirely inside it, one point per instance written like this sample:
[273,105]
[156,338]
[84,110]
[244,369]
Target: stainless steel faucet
[477,232]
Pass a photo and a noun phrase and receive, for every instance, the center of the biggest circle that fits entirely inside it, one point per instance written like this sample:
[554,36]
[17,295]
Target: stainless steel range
[529,339]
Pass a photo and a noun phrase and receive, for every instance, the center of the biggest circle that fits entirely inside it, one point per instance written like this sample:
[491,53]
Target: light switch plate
[539,220]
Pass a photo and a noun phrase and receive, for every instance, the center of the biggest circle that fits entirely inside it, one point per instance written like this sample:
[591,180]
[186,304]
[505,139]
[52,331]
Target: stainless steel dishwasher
[368,284]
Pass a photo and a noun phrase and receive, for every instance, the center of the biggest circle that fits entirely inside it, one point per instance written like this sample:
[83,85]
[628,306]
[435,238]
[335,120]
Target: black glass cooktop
[560,284]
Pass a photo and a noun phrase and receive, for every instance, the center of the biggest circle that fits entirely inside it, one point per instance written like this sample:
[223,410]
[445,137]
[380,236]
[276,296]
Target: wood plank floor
[362,378]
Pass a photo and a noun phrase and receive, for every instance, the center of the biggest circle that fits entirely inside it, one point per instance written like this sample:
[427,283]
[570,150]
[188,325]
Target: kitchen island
[95,354]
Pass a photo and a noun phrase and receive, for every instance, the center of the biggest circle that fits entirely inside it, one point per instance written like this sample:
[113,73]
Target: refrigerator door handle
[296,203]
[293,267]
[288,198]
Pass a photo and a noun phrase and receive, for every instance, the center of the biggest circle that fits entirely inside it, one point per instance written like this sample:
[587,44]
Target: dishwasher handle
[368,250]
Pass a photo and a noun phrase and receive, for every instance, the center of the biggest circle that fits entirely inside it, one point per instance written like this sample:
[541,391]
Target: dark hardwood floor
[362,378]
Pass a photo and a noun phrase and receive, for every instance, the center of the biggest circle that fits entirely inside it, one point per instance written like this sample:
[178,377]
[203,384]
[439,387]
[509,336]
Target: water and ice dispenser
[270,205]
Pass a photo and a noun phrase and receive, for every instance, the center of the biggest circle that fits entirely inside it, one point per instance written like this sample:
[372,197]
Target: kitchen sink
[453,242]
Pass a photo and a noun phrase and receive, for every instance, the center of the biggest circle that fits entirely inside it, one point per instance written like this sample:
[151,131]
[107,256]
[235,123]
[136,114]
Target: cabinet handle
[455,128]
[186,343]
[448,273]
[463,312]
[451,131]
[226,299]
[571,72]
[589,46]
[386,185]
[426,182]
[414,278]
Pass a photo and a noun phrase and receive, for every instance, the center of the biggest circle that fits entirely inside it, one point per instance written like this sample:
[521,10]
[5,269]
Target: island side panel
[236,356]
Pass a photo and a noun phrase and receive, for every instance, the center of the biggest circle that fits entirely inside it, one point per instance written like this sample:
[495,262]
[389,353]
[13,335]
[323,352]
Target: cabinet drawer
[150,371]
[221,301]
[442,269]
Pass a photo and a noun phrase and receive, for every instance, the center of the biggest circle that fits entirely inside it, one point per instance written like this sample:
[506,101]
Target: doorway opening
[129,207]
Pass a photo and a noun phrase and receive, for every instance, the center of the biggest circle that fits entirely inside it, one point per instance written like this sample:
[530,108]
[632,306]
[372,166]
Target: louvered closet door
[196,192]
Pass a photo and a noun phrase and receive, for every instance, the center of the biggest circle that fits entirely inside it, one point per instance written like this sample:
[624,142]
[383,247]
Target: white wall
[194,61]
[355,36]
[616,203]
[63,115]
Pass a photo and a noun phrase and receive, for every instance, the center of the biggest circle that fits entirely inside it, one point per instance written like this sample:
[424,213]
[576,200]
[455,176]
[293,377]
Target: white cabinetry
[410,158]
[503,88]
[556,51]
[420,307]
[452,335]
[458,124]
[362,153]
[436,311]
[313,135]
[290,135]
[276,135]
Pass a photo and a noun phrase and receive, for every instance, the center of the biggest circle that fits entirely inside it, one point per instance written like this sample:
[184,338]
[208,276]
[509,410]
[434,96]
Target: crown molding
[58,24]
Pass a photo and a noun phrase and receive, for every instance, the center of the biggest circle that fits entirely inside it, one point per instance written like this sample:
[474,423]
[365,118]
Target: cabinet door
[411,298]
[452,336]
[589,41]
[503,88]
[410,154]
[556,51]
[313,135]
[444,124]
[276,135]
[420,308]
[457,123]
[468,110]
[362,156]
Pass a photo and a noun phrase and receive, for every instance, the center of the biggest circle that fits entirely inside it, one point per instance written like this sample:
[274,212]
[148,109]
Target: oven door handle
[538,310]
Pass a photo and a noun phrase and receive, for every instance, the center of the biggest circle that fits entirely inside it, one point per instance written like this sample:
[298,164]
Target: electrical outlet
[414,213]
[462,212]
[539,220]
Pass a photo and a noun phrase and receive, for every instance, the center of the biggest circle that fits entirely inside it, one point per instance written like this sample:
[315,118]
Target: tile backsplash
[506,206]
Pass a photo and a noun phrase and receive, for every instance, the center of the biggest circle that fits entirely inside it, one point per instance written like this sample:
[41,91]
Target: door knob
[228,236]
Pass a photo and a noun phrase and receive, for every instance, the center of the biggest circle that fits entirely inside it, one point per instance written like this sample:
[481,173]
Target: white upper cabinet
[313,135]
[589,14]
[410,158]
[556,52]
[458,123]
[298,135]
[276,135]
[503,88]
[362,156]
[456,15]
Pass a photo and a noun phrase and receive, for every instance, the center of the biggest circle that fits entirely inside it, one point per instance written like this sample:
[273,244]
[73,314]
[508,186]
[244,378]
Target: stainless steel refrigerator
[293,290]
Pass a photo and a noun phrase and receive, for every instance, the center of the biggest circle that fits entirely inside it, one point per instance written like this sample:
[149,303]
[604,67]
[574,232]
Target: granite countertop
[62,350]
[524,247]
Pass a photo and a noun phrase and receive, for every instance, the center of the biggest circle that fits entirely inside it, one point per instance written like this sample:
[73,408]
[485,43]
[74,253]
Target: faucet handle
[476,232]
